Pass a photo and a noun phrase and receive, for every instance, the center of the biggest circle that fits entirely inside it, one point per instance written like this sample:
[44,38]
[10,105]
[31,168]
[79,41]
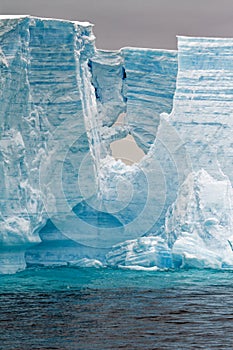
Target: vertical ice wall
[40,106]
[203,103]
[199,223]
[21,201]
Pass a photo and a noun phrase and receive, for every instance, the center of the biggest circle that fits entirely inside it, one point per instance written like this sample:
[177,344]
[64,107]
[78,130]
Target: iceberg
[65,198]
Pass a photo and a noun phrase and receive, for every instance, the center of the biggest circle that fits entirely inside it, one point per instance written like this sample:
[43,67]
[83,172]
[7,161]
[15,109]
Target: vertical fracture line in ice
[89,104]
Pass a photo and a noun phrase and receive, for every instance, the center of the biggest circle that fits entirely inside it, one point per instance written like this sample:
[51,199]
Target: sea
[88,308]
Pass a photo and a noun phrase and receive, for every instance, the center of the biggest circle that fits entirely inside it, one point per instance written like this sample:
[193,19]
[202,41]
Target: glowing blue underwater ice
[65,199]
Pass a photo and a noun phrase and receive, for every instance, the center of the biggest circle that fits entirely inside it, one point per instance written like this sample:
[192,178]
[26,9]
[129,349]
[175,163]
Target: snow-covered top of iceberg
[84,24]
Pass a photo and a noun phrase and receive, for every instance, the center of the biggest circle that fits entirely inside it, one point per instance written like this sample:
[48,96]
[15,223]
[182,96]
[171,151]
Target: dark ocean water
[68,308]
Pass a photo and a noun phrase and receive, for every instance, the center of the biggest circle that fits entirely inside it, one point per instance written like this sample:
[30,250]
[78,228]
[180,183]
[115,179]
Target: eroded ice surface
[64,198]
[199,224]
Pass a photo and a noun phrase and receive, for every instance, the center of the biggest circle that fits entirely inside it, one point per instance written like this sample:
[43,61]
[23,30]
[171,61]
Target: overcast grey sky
[142,23]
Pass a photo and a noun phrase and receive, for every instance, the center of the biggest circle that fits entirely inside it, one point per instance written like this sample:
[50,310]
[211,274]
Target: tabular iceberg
[65,199]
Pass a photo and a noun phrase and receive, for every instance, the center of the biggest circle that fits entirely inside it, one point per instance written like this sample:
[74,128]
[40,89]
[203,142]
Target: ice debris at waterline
[65,198]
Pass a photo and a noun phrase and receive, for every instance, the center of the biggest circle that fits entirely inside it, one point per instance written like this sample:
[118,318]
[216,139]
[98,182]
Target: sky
[140,23]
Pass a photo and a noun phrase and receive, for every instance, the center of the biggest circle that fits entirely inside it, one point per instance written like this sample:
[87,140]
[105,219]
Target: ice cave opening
[126,149]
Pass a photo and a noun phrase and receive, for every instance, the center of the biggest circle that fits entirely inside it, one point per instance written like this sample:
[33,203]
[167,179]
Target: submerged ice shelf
[65,199]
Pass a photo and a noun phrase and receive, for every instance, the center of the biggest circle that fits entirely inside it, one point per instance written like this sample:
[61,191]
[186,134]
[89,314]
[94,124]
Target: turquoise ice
[65,199]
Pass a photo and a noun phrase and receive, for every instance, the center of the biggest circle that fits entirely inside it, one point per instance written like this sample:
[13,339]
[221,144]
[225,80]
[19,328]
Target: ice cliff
[64,198]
